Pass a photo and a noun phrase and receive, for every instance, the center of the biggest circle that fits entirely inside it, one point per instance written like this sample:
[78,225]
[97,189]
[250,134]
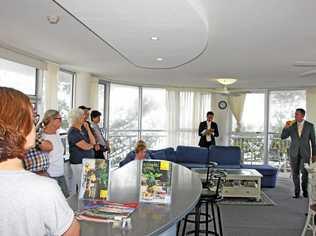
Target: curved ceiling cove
[148,33]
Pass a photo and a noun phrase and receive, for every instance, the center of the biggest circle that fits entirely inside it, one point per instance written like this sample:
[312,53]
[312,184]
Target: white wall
[86,90]
[222,118]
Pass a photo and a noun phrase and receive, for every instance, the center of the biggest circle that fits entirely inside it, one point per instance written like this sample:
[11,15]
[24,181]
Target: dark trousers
[297,166]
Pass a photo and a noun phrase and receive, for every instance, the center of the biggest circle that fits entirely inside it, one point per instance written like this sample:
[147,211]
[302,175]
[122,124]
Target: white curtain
[173,110]
[186,109]
[236,105]
[51,77]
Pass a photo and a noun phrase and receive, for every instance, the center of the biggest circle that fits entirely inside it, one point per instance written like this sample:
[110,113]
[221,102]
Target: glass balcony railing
[251,145]
[278,152]
[252,148]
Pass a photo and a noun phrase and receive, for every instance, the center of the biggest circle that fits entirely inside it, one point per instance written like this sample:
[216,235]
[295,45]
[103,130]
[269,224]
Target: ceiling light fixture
[226,81]
[154,38]
[53,19]
[159,59]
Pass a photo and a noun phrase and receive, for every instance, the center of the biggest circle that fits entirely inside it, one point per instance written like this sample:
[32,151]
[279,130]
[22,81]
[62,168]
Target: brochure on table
[155,181]
[94,179]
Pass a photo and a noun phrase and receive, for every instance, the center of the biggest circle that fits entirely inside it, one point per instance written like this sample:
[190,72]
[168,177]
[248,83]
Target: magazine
[94,179]
[107,212]
[155,183]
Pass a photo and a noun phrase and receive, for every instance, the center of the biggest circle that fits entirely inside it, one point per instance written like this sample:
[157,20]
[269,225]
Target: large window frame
[252,143]
[73,78]
[140,132]
[36,97]
[266,132]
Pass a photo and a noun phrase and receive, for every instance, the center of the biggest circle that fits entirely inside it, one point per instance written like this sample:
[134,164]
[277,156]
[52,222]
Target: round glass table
[147,219]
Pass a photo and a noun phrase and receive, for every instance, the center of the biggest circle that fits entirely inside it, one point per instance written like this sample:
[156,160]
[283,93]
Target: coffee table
[241,183]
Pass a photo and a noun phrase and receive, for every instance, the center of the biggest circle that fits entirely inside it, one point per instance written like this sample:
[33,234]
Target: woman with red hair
[29,204]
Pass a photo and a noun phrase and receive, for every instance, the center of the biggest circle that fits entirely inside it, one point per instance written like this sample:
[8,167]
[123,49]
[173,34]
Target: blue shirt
[76,153]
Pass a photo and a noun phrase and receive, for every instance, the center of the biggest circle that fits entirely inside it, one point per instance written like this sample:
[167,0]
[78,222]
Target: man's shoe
[296,196]
[305,194]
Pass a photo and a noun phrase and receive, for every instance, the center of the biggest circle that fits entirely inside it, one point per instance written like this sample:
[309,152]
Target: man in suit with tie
[208,130]
[302,145]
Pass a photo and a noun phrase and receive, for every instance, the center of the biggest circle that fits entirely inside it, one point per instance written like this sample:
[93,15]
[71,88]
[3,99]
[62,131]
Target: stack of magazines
[106,212]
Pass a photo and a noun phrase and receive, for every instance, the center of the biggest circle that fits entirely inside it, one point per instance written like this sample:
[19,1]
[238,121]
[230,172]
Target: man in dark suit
[302,135]
[208,130]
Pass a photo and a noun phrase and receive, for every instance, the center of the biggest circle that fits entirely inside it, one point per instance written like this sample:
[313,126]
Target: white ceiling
[255,41]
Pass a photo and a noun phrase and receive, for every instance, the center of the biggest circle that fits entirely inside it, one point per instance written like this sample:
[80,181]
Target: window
[186,109]
[123,119]
[282,106]
[124,107]
[251,136]
[158,116]
[64,96]
[18,76]
[154,116]
[253,114]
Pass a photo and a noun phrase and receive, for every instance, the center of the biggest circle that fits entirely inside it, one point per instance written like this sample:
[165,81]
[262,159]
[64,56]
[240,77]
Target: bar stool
[211,195]
[310,220]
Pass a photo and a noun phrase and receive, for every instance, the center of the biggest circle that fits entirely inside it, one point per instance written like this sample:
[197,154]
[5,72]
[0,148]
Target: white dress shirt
[300,126]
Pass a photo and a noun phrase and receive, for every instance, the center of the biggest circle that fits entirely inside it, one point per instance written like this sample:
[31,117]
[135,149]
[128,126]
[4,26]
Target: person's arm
[74,229]
[90,134]
[202,131]
[56,214]
[285,131]
[76,138]
[84,145]
[46,146]
[216,133]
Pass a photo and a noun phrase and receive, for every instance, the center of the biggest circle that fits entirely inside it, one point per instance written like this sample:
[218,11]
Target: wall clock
[222,105]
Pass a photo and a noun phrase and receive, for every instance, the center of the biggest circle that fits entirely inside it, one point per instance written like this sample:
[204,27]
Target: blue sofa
[192,157]
[227,157]
[268,172]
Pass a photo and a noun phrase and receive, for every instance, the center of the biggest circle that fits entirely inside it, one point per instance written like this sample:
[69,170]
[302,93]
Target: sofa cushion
[160,155]
[262,169]
[170,154]
[164,154]
[225,155]
[193,155]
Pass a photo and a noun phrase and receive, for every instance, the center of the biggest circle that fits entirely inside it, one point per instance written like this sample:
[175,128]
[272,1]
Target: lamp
[226,81]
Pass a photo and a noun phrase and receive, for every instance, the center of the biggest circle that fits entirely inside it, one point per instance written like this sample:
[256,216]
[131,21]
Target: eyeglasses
[36,119]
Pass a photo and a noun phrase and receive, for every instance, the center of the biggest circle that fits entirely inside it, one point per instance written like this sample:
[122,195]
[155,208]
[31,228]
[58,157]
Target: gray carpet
[287,217]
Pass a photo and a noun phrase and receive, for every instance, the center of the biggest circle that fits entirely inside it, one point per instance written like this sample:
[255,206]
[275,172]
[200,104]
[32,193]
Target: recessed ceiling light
[159,59]
[155,38]
[53,19]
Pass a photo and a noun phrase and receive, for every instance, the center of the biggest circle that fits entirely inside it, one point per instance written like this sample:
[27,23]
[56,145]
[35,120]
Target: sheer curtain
[186,109]
[236,104]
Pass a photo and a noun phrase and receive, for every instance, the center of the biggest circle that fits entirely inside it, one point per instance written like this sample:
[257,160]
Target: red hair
[16,123]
